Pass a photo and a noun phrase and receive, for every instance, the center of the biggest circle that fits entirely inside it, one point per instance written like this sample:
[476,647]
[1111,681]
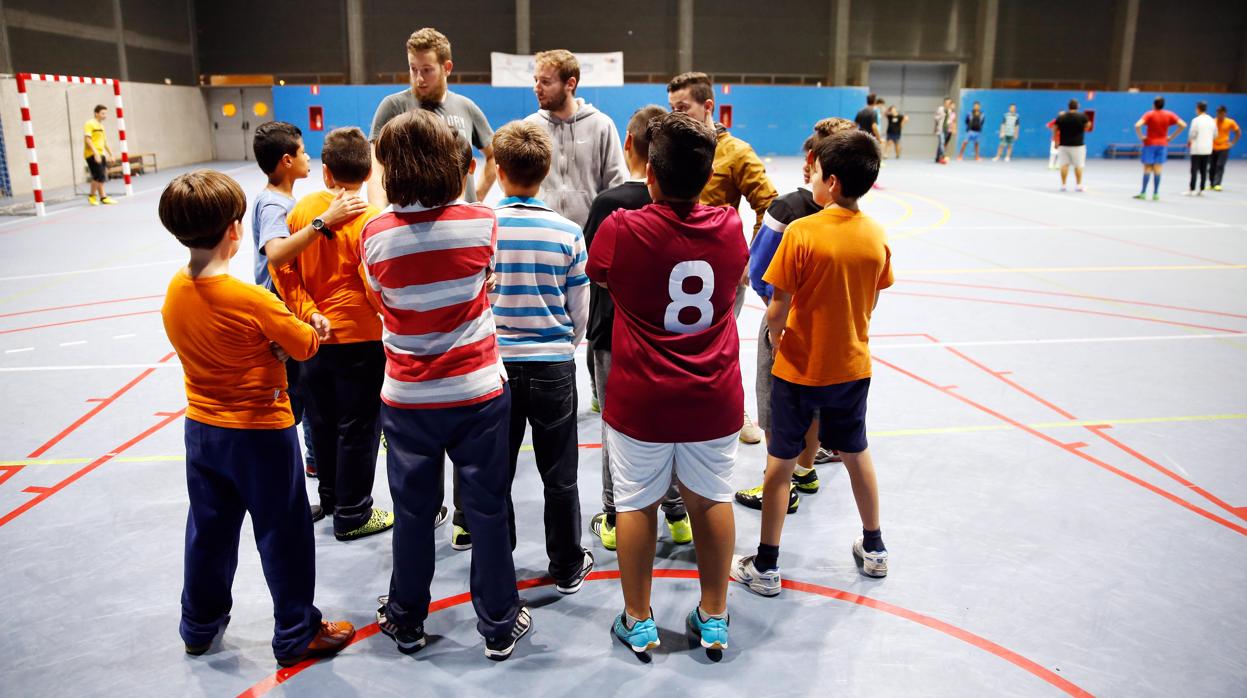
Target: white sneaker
[1188,193]
[1080,188]
[750,433]
[1063,188]
[1007,159]
[762,583]
[872,564]
[1199,193]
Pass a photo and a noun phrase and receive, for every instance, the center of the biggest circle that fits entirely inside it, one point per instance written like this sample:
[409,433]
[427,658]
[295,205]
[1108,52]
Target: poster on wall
[596,69]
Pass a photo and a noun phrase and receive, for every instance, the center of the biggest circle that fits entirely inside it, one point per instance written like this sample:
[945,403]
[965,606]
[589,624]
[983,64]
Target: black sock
[610,519]
[768,557]
[872,541]
[677,517]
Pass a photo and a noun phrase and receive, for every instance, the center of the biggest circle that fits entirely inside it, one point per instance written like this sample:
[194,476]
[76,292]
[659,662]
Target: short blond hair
[523,150]
[561,60]
[429,39]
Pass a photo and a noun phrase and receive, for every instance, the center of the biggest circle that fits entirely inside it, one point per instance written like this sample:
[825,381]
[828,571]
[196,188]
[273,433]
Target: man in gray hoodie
[588,158]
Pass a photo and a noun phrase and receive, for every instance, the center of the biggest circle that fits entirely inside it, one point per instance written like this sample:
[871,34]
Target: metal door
[916,89]
[258,103]
[228,115]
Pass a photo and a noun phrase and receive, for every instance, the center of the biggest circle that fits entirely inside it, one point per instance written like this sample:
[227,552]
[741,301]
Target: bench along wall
[775,120]
[1115,115]
[168,120]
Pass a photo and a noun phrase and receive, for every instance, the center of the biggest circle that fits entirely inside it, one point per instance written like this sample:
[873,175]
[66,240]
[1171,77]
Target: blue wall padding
[774,119]
[1115,115]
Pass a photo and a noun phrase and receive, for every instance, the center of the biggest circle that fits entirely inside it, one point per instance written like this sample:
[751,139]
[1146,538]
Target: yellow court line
[1040,270]
[905,205]
[929,431]
[946,214]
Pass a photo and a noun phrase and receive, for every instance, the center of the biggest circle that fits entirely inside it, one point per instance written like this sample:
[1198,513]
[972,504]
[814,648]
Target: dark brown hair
[853,157]
[420,160]
[199,206]
[681,152]
[523,150]
[99,108]
[274,139]
[699,84]
[638,128]
[347,155]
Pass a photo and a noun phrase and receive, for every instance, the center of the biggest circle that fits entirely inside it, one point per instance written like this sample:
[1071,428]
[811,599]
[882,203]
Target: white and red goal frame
[29,132]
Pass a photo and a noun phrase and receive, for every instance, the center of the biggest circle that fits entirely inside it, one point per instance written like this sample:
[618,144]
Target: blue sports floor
[1058,417]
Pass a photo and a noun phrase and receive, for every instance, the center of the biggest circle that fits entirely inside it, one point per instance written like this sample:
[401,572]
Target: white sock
[802,471]
[708,616]
[629,621]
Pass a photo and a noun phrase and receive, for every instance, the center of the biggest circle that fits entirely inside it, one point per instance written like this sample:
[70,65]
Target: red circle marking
[966,636]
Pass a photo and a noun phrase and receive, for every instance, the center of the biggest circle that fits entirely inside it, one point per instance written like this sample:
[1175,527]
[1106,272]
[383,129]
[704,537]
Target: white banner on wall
[596,69]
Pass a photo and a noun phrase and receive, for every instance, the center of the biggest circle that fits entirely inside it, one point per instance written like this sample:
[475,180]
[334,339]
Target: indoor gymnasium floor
[1058,416]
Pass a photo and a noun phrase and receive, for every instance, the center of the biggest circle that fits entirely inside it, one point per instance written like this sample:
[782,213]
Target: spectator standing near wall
[1010,127]
[1072,126]
[945,129]
[96,152]
[1221,145]
[1203,132]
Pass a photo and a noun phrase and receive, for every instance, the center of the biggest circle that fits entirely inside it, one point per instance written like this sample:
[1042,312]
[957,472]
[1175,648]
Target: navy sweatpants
[229,473]
[475,438]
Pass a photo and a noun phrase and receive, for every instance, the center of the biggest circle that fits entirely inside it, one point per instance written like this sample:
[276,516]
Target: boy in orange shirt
[322,286]
[242,453]
[822,356]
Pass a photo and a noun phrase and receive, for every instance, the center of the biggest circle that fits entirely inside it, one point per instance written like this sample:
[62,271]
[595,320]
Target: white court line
[124,336]
[16,351]
[1089,200]
[180,260]
[88,367]
[73,344]
[1068,340]
[1054,226]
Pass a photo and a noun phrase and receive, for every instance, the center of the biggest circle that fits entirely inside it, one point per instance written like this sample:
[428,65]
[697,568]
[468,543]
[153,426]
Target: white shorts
[1075,155]
[642,471]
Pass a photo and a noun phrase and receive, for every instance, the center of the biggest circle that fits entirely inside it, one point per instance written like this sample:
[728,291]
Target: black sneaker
[502,648]
[409,640]
[441,517]
[572,584]
[752,498]
[318,513]
[808,483]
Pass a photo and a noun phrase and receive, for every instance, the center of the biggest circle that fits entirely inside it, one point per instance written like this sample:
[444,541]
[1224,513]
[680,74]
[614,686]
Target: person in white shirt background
[1199,138]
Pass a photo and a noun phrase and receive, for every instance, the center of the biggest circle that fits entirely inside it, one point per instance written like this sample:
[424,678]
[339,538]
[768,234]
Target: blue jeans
[475,438]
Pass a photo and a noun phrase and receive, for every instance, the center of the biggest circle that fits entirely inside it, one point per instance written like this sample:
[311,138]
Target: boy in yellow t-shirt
[95,150]
[827,274]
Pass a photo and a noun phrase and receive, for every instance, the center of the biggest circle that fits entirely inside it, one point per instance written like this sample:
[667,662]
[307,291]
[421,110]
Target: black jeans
[543,394]
[1219,158]
[1199,165]
[343,383]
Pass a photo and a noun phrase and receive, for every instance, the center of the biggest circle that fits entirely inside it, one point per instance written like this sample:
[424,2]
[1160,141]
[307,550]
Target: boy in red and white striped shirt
[427,257]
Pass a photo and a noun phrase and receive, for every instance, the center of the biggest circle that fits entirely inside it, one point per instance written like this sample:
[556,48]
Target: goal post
[28,129]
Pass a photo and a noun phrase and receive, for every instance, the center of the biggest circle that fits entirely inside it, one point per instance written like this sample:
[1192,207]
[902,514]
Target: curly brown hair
[420,160]
[429,39]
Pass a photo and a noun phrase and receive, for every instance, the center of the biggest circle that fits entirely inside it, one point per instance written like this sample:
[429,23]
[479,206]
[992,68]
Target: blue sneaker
[712,632]
[643,636]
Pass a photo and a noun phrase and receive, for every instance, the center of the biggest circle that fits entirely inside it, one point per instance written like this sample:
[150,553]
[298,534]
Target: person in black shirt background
[868,119]
[896,121]
[974,131]
[1072,126]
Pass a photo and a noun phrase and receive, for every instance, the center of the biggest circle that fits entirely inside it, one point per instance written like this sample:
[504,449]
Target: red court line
[99,407]
[8,471]
[1098,430]
[1070,449]
[1065,685]
[75,322]
[1068,295]
[79,305]
[1065,309]
[46,493]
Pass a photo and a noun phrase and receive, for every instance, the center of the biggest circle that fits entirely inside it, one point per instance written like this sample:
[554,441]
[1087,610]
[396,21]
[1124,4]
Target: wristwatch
[319,226]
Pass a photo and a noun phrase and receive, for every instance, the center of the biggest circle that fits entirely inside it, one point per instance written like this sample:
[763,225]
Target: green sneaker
[379,522]
[681,530]
[806,484]
[752,498]
[594,406]
[1140,196]
[602,529]
[460,538]
[1155,197]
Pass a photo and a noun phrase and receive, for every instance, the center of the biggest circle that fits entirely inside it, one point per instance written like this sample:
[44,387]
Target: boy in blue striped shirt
[541,308]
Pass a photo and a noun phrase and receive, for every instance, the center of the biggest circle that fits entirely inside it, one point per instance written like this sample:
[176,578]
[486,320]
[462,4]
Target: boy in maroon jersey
[676,401]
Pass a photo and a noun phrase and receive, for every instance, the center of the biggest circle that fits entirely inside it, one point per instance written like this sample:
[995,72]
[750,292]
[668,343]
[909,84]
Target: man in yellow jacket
[737,172]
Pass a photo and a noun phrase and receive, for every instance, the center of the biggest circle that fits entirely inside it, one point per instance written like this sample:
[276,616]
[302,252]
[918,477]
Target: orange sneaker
[329,640]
